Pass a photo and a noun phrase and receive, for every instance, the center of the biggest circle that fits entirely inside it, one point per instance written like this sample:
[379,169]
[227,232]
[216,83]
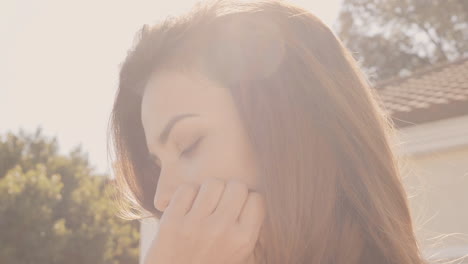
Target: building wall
[437,186]
[435,170]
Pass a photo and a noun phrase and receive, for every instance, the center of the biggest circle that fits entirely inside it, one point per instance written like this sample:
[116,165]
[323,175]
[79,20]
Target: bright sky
[59,63]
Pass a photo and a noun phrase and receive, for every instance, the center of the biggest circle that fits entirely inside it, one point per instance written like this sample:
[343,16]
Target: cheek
[225,157]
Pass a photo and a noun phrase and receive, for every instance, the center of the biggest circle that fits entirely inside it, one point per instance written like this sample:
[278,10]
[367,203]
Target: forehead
[171,93]
[167,94]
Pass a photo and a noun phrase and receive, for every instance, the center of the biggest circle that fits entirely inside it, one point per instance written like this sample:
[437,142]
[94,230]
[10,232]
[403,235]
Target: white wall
[435,168]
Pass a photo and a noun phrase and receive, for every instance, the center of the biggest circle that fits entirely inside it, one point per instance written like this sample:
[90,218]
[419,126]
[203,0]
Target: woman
[280,154]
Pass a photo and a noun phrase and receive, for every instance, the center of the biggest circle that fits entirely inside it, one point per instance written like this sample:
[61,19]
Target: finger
[182,200]
[253,213]
[232,201]
[208,197]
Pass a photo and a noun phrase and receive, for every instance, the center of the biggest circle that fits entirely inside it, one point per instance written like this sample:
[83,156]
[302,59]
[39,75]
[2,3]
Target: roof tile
[434,93]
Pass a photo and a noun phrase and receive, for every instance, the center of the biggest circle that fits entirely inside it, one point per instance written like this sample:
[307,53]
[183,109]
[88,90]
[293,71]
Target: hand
[217,222]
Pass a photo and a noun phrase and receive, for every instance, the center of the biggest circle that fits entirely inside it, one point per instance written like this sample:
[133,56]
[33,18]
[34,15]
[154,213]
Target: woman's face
[202,133]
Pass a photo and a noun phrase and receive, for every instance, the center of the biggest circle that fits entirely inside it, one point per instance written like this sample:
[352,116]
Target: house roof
[431,94]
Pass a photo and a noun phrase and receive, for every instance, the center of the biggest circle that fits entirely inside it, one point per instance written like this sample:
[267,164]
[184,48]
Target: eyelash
[188,151]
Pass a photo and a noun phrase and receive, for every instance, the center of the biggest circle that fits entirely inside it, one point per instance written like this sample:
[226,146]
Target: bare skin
[194,229]
[209,175]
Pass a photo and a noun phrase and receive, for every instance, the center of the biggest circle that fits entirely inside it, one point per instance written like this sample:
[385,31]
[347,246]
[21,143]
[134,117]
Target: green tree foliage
[395,37]
[54,209]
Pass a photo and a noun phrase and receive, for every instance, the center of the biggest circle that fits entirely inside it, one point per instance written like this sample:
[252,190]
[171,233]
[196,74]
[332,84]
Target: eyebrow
[168,128]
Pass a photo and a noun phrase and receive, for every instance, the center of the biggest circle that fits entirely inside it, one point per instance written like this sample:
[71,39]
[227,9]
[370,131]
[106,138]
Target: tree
[394,37]
[54,209]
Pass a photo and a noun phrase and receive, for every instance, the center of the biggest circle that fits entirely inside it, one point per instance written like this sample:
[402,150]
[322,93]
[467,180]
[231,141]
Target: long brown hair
[329,175]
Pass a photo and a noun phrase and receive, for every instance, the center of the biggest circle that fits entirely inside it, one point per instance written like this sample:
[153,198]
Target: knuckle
[186,189]
[237,186]
[255,195]
[257,199]
[183,193]
[213,183]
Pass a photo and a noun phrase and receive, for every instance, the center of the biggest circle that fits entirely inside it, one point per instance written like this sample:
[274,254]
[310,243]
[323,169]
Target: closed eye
[190,150]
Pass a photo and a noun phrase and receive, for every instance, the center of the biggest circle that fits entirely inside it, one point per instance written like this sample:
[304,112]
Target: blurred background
[59,64]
